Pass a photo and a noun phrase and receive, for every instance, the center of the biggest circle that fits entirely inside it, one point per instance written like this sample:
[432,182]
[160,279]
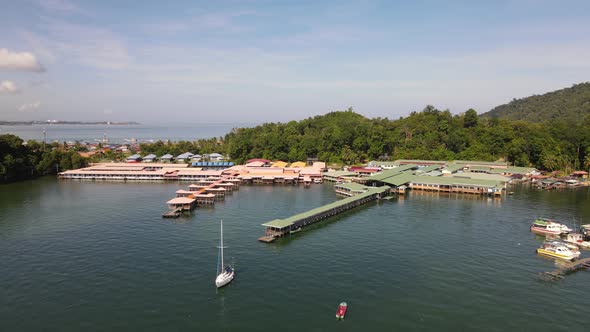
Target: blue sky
[259,61]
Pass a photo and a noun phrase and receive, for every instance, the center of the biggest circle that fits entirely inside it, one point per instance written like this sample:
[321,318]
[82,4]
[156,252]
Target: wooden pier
[281,227]
[172,213]
[566,269]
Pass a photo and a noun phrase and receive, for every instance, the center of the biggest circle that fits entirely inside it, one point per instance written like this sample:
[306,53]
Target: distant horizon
[258,62]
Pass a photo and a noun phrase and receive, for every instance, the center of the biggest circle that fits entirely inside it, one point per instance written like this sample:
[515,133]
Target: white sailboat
[225,274]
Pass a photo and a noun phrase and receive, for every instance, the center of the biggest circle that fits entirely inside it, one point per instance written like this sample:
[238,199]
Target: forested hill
[569,105]
[350,138]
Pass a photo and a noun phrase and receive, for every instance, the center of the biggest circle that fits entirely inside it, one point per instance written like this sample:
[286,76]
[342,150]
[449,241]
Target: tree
[470,119]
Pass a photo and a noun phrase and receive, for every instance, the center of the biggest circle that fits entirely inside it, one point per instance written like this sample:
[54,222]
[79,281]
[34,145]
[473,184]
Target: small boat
[298,229]
[318,180]
[341,310]
[543,226]
[225,273]
[577,239]
[585,230]
[559,250]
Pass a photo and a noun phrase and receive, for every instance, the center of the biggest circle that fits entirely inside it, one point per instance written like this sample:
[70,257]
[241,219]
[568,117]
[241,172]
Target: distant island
[50,122]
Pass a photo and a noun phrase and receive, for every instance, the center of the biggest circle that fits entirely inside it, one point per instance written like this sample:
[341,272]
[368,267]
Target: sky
[274,61]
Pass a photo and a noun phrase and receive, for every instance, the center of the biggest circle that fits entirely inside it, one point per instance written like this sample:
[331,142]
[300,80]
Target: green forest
[20,161]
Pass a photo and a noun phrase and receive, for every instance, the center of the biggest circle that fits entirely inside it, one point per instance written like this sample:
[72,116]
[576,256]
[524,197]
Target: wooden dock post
[561,272]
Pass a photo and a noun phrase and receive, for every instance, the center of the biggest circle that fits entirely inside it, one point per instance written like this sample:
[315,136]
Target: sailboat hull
[224,279]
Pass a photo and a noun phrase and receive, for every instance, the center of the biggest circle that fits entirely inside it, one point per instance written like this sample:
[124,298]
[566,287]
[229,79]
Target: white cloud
[19,61]
[8,88]
[31,107]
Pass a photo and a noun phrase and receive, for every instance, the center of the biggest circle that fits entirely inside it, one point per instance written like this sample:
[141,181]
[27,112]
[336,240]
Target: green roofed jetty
[281,227]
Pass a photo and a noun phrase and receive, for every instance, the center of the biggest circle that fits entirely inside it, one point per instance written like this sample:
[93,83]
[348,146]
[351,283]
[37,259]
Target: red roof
[580,173]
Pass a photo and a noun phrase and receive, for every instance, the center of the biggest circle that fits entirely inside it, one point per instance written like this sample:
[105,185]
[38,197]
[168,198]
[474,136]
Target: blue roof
[212,163]
[133,157]
[150,156]
[166,156]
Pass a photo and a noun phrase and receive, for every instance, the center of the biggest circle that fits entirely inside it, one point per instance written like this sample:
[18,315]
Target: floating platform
[566,269]
[281,227]
[172,213]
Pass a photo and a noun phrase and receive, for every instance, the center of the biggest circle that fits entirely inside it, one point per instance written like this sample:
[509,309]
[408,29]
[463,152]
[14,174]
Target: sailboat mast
[222,265]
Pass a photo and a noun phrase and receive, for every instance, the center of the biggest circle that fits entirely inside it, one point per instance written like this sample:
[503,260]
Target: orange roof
[298,164]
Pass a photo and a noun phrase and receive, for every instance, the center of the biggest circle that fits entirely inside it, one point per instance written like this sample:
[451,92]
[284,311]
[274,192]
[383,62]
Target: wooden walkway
[172,213]
[281,227]
[561,272]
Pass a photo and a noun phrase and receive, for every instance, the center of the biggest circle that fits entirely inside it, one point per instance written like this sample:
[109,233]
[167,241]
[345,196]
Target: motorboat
[225,273]
[543,226]
[577,239]
[558,249]
[341,312]
[318,180]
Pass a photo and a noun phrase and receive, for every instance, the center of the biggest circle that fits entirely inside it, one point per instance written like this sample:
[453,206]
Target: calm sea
[97,256]
[121,133]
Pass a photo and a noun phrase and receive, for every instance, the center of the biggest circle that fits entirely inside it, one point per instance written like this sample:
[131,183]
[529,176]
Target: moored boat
[557,249]
[543,226]
[341,312]
[577,239]
[225,273]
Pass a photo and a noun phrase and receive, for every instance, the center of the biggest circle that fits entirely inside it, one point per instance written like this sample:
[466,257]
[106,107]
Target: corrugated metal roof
[391,172]
[282,223]
[339,173]
[353,186]
[427,169]
[455,181]
[513,170]
[476,162]
[454,167]
[399,179]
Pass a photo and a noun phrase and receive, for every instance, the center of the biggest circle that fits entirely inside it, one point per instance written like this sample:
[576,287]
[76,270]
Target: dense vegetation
[19,161]
[350,138]
[570,105]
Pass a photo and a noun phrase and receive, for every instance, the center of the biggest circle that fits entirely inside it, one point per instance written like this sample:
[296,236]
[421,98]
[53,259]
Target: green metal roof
[282,223]
[480,168]
[420,162]
[513,170]
[427,169]
[454,167]
[399,179]
[353,186]
[386,163]
[455,181]
[492,163]
[390,172]
[339,173]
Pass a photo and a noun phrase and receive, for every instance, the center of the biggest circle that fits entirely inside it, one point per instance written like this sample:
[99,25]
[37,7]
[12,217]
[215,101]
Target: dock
[281,227]
[172,213]
[566,269]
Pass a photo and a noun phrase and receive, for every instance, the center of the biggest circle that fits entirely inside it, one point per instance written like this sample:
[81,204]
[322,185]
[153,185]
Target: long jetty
[561,272]
[281,227]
